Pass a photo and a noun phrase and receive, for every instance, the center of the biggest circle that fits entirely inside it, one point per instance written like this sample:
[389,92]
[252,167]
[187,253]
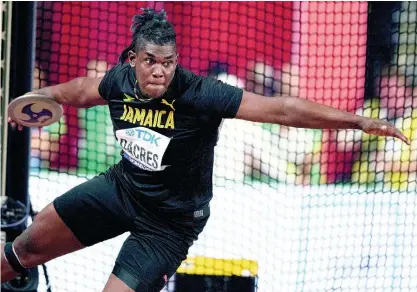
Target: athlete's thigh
[145,263]
[155,249]
[115,284]
[95,210]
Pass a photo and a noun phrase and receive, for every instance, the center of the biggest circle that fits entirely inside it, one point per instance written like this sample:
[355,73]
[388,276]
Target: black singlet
[168,143]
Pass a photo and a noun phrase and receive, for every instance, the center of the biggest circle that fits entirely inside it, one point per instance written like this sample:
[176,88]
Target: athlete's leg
[87,214]
[146,262]
[154,250]
[114,284]
[46,238]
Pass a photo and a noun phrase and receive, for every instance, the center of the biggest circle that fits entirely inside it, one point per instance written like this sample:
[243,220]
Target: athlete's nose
[157,72]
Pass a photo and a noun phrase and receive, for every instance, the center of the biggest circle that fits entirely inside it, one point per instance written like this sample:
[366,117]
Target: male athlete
[166,120]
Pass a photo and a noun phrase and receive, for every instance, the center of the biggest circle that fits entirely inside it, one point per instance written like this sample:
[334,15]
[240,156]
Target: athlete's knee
[26,251]
[28,245]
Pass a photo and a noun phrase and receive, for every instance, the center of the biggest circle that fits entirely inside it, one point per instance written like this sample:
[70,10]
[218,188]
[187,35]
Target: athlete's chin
[155,93]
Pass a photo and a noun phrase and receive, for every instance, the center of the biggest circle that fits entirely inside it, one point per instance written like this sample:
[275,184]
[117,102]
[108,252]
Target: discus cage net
[310,210]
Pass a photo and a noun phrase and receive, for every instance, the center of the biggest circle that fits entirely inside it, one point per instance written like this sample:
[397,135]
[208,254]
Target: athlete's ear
[176,59]
[131,55]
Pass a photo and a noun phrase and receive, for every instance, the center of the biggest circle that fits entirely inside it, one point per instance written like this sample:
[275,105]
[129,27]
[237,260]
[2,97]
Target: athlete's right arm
[81,92]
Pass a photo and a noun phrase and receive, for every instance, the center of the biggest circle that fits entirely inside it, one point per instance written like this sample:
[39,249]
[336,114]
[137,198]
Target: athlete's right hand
[13,124]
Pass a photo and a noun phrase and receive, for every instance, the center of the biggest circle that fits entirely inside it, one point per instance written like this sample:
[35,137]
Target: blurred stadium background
[294,209]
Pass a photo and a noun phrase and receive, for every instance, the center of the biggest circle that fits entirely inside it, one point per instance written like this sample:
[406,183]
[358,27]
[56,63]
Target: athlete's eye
[150,61]
[167,63]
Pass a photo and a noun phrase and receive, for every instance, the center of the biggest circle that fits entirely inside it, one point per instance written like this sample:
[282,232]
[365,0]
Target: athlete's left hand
[381,128]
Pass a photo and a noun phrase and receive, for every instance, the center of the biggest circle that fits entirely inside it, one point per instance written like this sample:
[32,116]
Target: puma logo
[128,98]
[171,105]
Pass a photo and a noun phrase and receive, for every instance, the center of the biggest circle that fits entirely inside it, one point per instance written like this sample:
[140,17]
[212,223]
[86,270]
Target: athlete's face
[155,68]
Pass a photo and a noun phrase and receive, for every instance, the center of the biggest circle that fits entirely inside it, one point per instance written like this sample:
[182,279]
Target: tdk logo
[146,136]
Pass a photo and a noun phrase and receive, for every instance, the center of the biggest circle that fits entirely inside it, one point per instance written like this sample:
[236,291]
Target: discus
[34,110]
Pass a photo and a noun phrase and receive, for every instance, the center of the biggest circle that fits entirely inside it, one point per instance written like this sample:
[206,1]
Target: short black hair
[149,27]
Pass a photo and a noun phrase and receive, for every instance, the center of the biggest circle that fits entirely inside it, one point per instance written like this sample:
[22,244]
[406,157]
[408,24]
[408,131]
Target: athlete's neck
[139,94]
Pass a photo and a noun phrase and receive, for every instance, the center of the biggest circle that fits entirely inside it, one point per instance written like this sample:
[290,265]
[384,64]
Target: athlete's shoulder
[209,95]
[113,80]
[117,72]
[192,78]
[186,77]
[197,83]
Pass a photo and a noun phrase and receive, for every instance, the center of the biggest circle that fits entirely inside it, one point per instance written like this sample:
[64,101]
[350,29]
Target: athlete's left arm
[302,113]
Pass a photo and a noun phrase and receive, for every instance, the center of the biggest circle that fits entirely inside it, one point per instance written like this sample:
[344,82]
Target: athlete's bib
[143,147]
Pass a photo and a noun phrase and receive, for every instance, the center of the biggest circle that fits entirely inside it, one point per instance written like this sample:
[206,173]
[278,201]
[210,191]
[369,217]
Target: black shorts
[98,210]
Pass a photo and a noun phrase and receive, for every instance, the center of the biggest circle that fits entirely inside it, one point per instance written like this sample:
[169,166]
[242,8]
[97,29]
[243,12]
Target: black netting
[300,209]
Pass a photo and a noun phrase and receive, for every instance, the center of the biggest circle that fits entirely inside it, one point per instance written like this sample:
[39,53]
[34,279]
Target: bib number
[143,147]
